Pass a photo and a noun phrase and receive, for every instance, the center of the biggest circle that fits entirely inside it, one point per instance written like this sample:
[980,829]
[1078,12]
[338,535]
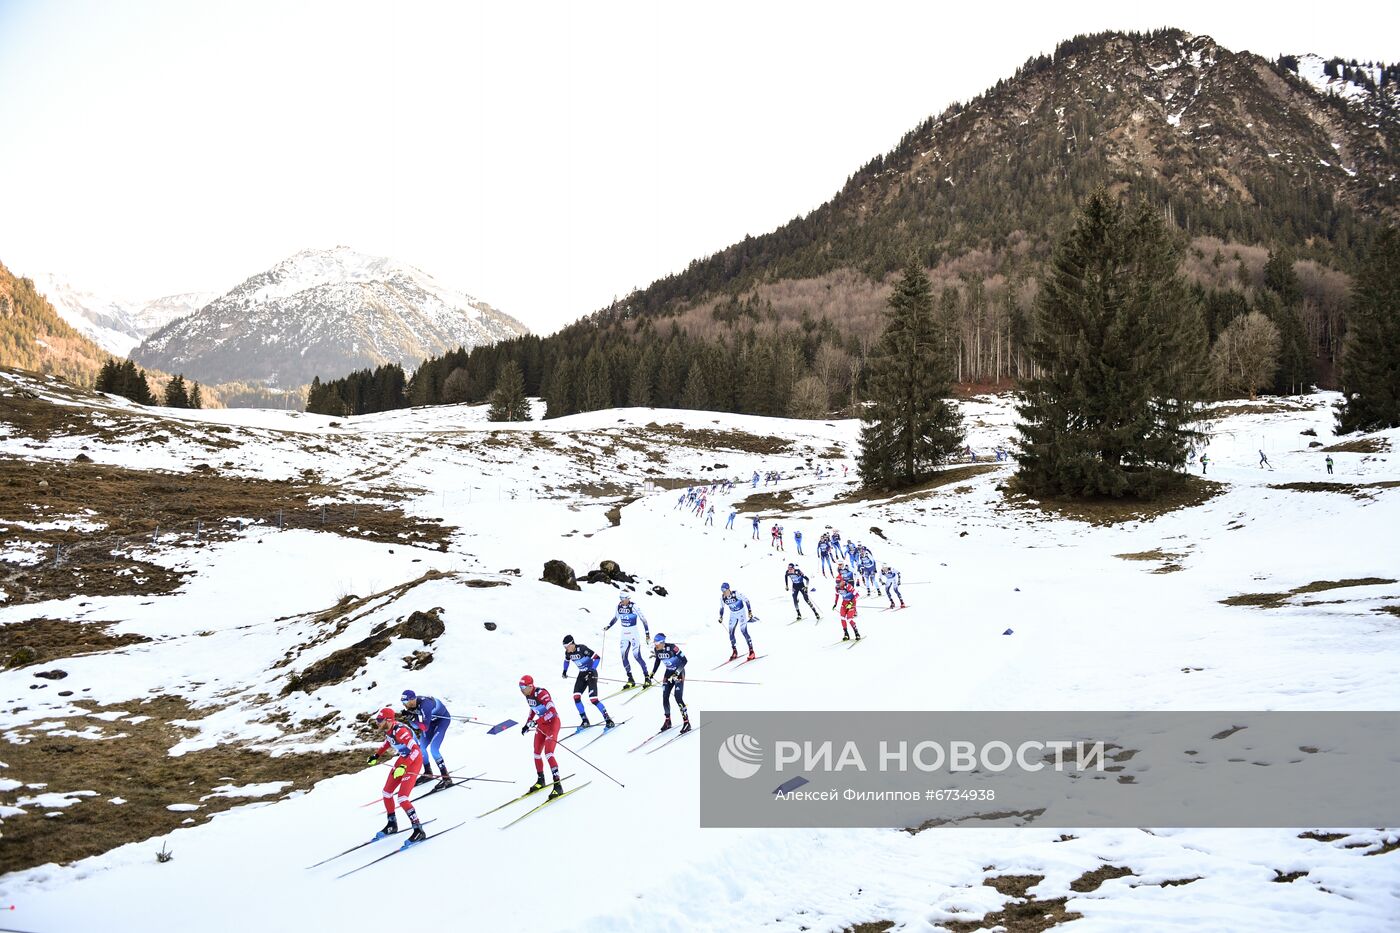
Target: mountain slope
[323,312]
[1231,144]
[115,324]
[34,336]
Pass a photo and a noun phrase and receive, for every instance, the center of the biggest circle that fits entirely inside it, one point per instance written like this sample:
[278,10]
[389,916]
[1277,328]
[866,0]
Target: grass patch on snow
[1362,445]
[1192,491]
[133,504]
[1276,600]
[136,768]
[36,641]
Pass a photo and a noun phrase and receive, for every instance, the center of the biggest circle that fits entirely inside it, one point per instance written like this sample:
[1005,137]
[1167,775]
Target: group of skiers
[417,742]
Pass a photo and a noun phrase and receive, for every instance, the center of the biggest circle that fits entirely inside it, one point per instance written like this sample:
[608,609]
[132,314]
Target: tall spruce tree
[196,397]
[176,396]
[508,402]
[696,396]
[1371,363]
[1120,343]
[910,426]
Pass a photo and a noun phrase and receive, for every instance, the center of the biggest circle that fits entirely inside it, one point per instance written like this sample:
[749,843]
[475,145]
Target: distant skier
[890,576]
[824,553]
[1264,461]
[755,479]
[628,616]
[729,524]
[1205,462]
[1329,464]
[587,661]
[796,581]
[673,681]
[710,516]
[403,776]
[430,718]
[777,537]
[740,612]
[797,540]
[544,717]
[844,575]
[755,524]
[867,569]
[846,598]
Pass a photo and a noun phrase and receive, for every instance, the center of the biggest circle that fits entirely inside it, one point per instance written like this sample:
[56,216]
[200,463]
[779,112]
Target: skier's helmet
[624,598]
[527,682]
[724,587]
[408,695]
[658,638]
[385,715]
[568,639]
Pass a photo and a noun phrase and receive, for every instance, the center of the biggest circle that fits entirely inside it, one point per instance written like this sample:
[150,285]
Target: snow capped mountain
[324,313]
[115,324]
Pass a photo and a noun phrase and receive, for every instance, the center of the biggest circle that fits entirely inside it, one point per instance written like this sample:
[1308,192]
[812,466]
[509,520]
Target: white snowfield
[1091,631]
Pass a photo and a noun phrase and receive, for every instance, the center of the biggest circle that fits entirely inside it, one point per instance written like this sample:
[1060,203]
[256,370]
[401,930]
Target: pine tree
[175,394]
[595,388]
[560,391]
[109,377]
[1120,344]
[639,393]
[508,402]
[910,426]
[696,396]
[1371,363]
[196,397]
[134,385]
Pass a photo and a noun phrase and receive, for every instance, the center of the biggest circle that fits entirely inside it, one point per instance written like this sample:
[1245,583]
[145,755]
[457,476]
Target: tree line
[125,378]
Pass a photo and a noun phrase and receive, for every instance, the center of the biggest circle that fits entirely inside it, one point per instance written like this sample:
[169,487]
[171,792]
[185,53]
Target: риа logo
[741,756]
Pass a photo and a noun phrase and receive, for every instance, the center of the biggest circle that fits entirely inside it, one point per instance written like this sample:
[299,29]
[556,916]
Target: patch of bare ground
[874,926]
[130,762]
[710,439]
[1355,490]
[1171,562]
[1256,408]
[1392,610]
[1092,880]
[780,501]
[36,641]
[1190,492]
[1362,445]
[1024,914]
[133,505]
[1275,600]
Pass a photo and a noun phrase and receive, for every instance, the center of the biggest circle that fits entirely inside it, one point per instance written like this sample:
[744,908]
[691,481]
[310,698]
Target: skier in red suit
[545,719]
[403,775]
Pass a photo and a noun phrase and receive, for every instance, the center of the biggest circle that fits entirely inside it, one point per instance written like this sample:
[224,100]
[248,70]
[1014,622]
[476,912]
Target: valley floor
[217,711]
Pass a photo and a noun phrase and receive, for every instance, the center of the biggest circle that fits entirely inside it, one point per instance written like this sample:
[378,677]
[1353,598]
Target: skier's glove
[373,760]
[400,771]
[525,728]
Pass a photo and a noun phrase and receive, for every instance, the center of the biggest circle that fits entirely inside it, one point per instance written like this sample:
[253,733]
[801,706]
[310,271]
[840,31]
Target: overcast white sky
[541,156]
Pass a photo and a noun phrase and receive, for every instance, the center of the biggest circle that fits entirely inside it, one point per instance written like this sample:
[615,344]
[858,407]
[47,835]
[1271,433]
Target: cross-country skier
[867,569]
[755,479]
[1264,461]
[403,776]
[796,581]
[628,616]
[846,596]
[824,553]
[740,615]
[844,575]
[755,524]
[710,516]
[776,537]
[797,540]
[430,718]
[545,719]
[673,680]
[1329,464]
[890,576]
[587,661]
[1205,462]
[836,542]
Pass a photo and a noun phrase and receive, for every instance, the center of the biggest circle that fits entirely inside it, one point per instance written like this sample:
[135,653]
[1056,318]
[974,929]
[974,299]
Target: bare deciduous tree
[1245,357]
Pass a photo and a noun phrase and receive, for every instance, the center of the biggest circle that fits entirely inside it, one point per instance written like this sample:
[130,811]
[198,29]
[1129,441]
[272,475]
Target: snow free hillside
[200,609]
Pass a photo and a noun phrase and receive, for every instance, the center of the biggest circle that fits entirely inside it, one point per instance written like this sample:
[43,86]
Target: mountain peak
[324,312]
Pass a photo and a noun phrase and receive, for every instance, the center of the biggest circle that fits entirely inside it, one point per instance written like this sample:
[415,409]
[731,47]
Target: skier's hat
[408,695]
[658,637]
[723,587]
[385,715]
[527,681]
[568,639]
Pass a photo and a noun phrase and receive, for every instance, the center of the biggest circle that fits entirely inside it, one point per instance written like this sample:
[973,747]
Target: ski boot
[734,655]
[751,654]
[901,605]
[647,682]
[857,631]
[443,783]
[557,792]
[799,618]
[608,723]
[584,723]
[685,725]
[418,835]
[630,683]
[423,778]
[665,725]
[891,604]
[539,783]
[390,827]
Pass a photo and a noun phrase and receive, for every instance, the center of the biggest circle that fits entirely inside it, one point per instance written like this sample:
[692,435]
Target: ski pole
[491,728]
[589,763]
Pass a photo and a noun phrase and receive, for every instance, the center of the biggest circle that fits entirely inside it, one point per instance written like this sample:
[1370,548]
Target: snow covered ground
[1092,631]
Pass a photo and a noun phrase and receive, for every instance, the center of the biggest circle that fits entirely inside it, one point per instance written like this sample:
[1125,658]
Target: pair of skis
[660,733]
[392,852]
[740,664]
[540,806]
